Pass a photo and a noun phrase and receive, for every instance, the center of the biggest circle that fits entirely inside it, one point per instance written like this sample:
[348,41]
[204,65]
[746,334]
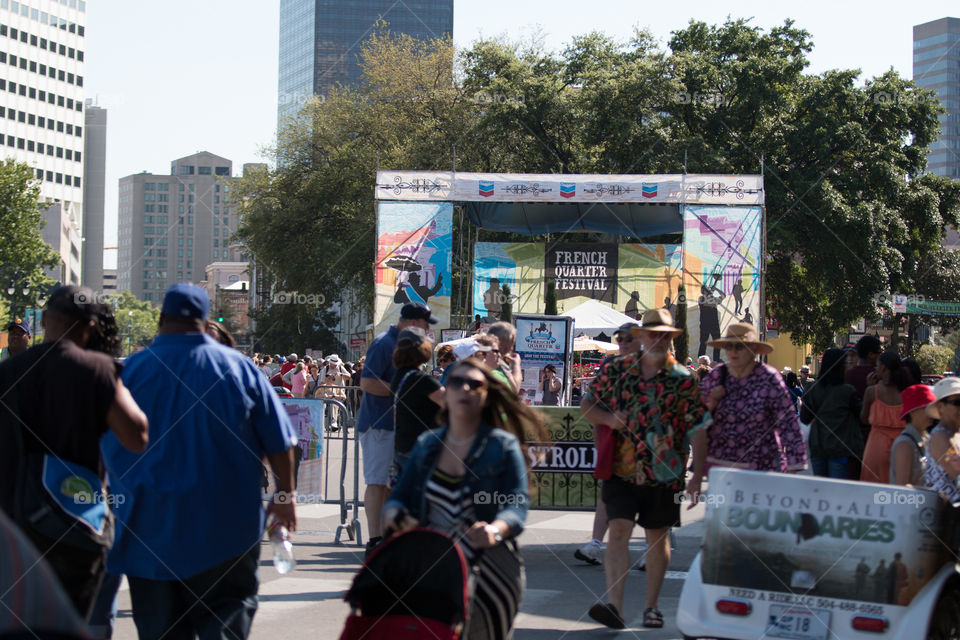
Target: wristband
[497,538]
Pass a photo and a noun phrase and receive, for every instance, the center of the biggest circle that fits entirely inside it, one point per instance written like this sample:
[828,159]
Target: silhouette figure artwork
[710,298]
[738,296]
[633,305]
[491,298]
[862,572]
[748,317]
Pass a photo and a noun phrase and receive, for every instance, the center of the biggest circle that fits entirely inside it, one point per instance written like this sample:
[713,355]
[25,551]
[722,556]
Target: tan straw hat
[657,321]
[742,333]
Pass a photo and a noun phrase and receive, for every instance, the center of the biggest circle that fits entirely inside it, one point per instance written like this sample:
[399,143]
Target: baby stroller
[414,585]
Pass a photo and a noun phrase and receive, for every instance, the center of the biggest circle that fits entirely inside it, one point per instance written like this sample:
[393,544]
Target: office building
[41,112]
[109,282]
[936,66]
[320,40]
[172,226]
[94,185]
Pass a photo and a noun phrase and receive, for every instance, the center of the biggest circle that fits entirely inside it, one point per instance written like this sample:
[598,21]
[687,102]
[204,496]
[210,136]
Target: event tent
[593,317]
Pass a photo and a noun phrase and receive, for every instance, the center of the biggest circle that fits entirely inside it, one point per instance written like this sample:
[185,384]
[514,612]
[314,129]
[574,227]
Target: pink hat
[916,396]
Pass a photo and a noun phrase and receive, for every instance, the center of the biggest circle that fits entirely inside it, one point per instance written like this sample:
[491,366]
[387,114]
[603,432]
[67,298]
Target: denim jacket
[496,477]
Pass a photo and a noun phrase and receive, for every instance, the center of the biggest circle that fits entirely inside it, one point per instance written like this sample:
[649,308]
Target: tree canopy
[850,211]
[23,253]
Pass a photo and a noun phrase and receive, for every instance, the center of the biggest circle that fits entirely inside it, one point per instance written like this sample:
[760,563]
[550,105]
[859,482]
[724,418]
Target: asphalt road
[308,602]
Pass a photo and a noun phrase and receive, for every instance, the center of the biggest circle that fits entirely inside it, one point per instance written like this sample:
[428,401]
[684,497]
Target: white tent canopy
[592,318]
[583,343]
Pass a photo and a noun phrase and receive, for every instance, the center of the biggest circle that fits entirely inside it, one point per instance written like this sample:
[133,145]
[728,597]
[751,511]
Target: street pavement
[308,602]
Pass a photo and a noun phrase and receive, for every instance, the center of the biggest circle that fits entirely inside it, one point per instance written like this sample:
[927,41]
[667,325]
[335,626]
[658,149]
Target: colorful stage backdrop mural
[720,271]
[414,242]
[627,277]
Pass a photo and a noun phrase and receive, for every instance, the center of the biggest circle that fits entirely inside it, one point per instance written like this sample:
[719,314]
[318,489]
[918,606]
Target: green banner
[562,469]
[933,307]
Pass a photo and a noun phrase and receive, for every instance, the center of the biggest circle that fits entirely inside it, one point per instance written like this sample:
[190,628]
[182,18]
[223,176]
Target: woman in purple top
[754,421]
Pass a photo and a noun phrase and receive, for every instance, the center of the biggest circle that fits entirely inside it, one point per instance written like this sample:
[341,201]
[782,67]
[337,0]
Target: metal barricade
[342,410]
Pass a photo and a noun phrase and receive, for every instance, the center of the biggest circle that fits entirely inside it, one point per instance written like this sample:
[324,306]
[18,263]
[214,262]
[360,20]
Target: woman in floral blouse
[754,422]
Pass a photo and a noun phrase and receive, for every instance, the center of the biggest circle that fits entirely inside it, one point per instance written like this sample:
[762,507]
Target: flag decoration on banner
[648,190]
[486,189]
[568,189]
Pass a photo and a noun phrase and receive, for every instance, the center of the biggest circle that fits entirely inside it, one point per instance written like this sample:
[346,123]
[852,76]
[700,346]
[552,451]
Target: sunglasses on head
[458,382]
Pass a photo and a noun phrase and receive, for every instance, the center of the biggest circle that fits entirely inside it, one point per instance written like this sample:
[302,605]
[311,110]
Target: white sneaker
[591,553]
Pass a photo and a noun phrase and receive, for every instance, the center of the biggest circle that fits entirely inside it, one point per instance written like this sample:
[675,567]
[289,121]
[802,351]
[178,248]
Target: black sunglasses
[955,402]
[622,339]
[458,382]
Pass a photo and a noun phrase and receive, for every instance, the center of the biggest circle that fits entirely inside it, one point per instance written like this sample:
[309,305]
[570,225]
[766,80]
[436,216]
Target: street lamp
[129,331]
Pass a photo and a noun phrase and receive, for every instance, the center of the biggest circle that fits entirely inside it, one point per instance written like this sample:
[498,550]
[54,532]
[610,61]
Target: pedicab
[808,558]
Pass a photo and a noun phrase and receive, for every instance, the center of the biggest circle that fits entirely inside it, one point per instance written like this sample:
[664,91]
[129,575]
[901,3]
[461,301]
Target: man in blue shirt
[375,418]
[189,510]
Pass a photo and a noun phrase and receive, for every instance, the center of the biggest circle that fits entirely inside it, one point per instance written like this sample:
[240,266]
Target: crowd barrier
[325,429]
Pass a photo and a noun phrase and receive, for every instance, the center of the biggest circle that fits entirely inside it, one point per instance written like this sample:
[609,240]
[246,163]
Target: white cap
[943,389]
[468,348]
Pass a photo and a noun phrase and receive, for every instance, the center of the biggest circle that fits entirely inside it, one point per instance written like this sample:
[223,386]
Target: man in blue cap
[18,339]
[375,428]
[191,516]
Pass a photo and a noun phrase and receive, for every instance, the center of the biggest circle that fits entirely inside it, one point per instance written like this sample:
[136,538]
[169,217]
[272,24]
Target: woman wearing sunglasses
[754,422]
[469,479]
[943,462]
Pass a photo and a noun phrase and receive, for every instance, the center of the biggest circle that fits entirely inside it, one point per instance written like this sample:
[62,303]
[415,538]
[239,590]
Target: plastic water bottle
[283,559]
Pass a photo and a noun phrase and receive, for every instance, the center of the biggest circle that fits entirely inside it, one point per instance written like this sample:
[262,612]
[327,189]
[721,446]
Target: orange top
[885,426]
[886,415]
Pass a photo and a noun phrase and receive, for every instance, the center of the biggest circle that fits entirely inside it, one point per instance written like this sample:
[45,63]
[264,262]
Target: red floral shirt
[662,415]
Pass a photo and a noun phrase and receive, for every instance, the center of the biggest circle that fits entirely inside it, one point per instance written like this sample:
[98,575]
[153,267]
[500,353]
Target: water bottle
[283,559]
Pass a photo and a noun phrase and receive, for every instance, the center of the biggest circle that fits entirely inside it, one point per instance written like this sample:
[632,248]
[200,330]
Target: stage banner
[587,270]
[545,347]
[562,469]
[414,244]
[721,272]
[528,187]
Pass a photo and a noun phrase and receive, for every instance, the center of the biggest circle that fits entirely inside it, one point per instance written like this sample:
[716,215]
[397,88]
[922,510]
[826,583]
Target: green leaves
[850,212]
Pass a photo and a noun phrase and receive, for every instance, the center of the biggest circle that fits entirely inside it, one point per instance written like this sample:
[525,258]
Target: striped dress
[499,571]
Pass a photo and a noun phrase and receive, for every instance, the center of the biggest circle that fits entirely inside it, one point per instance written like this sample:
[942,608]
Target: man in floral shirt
[653,404]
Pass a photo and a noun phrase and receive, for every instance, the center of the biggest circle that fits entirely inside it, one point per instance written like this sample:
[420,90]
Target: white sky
[188,75]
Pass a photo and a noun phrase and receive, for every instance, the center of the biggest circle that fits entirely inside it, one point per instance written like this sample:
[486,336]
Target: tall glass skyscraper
[320,40]
[936,66]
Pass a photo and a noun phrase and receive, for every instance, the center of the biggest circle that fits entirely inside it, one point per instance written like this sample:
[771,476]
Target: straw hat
[742,333]
[658,321]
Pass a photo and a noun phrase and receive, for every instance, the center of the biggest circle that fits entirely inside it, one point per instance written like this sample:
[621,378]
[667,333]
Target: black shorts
[650,507]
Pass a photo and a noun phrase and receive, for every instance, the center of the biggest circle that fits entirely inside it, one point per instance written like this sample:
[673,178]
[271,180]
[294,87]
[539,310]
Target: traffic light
[219,316]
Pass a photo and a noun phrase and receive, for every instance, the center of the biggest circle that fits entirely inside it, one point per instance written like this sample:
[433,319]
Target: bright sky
[186,75]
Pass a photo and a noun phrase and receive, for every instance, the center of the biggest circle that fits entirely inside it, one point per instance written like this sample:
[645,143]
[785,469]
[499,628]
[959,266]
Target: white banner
[549,187]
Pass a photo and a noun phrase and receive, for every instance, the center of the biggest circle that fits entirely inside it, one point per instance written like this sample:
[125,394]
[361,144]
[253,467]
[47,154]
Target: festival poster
[414,245]
[543,341]
[828,539]
[721,272]
[307,416]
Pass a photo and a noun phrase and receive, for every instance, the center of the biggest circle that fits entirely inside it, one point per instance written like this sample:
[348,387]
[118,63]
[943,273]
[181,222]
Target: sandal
[653,618]
[607,614]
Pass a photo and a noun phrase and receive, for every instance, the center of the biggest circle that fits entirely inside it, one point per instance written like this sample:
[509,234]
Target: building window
[186,170]
[203,171]
[222,171]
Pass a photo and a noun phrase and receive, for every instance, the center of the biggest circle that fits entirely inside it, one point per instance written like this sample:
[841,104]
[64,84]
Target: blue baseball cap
[19,324]
[185,300]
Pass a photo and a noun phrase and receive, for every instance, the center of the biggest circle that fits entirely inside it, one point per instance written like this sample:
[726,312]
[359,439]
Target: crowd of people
[178,433]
